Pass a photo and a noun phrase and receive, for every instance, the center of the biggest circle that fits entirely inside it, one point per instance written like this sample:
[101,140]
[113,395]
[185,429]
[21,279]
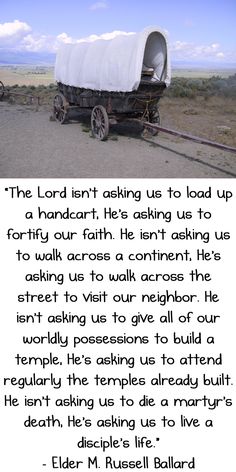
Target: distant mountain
[9,57]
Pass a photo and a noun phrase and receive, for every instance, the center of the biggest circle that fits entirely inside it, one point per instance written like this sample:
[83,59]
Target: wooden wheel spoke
[154,117]
[99,122]
[60,107]
[2,89]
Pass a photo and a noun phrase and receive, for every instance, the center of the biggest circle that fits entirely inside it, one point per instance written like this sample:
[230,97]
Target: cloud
[37,43]
[13,32]
[18,36]
[181,50]
[45,43]
[64,38]
[94,37]
[98,6]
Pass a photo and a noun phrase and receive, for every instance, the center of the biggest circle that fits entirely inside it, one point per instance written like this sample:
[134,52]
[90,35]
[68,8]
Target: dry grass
[201,117]
[26,76]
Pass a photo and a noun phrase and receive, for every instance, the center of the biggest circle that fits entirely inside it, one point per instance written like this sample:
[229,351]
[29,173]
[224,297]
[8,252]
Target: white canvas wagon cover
[114,64]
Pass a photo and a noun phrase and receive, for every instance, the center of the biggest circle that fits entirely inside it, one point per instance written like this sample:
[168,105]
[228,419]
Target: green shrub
[216,85]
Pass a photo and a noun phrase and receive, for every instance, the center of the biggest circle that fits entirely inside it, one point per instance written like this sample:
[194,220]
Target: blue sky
[203,30]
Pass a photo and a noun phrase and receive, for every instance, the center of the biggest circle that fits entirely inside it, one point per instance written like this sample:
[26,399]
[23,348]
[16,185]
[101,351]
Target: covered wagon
[114,78]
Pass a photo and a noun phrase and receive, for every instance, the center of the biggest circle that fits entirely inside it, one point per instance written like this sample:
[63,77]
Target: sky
[198,31]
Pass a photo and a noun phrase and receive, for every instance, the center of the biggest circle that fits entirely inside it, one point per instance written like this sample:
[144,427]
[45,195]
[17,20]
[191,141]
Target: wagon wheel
[60,108]
[155,118]
[99,122]
[2,90]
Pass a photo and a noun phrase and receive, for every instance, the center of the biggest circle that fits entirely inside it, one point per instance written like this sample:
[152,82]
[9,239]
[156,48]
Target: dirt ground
[33,146]
[213,118]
